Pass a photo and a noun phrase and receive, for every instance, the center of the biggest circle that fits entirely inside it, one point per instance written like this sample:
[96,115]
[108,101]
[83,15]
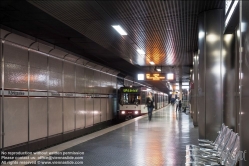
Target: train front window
[130,98]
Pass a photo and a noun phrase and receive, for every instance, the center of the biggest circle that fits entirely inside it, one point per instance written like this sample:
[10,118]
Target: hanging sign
[155,76]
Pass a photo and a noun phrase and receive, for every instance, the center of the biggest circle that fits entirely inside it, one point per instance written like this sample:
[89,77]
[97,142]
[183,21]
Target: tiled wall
[46,95]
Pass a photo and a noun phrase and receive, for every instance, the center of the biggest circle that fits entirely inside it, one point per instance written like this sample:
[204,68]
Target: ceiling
[165,30]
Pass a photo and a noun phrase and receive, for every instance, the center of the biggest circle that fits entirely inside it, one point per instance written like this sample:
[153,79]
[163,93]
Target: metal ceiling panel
[165,30]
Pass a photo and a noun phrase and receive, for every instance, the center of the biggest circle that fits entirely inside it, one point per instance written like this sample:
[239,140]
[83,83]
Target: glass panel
[130,98]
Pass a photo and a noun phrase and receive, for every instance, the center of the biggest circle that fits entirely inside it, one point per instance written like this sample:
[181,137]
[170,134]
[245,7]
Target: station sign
[17,93]
[155,76]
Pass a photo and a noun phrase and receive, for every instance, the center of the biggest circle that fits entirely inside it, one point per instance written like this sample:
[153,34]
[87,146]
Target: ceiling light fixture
[119,29]
[170,76]
[158,69]
[140,51]
[152,63]
[231,12]
[185,83]
[140,77]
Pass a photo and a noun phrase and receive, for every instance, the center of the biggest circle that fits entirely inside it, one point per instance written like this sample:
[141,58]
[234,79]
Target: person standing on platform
[172,101]
[177,103]
[150,105]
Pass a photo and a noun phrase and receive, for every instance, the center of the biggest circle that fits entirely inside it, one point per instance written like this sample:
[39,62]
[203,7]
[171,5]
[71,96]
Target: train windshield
[132,96]
[128,98]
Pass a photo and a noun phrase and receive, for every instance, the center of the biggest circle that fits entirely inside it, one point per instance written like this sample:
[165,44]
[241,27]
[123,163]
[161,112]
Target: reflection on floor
[161,141]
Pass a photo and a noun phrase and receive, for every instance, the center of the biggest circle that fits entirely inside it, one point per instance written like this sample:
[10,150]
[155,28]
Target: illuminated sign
[155,76]
[130,90]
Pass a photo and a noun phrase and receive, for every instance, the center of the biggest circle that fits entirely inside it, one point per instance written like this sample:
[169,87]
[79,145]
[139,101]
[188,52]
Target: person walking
[150,105]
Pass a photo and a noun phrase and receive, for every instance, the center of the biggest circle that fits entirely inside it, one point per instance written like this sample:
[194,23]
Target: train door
[156,100]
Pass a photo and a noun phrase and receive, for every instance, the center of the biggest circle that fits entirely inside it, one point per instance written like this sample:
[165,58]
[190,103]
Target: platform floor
[160,142]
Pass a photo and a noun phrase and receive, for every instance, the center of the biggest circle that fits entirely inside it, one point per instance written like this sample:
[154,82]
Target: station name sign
[16,93]
[155,76]
[130,90]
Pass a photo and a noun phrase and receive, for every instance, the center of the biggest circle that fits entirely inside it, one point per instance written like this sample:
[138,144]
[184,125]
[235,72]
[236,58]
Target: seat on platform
[209,141]
[227,155]
[216,151]
[210,145]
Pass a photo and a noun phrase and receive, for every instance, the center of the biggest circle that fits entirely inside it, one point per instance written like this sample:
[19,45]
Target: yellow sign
[155,77]
[130,90]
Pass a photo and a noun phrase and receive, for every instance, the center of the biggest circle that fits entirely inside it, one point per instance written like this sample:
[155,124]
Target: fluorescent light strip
[119,29]
[231,12]
[140,51]
[228,4]
[185,87]
[185,83]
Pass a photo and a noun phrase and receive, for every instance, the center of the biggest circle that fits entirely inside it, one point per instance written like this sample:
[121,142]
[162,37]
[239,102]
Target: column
[210,89]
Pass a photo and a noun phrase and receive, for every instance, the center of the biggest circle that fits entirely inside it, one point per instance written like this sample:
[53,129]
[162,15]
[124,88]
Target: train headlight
[136,112]
[123,112]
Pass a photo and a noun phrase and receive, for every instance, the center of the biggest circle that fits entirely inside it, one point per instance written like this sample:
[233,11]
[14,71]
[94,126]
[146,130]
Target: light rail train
[132,101]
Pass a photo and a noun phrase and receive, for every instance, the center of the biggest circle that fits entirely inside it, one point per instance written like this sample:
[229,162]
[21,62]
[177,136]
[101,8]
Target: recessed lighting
[158,69]
[170,76]
[152,63]
[119,29]
[185,83]
[140,51]
[140,76]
